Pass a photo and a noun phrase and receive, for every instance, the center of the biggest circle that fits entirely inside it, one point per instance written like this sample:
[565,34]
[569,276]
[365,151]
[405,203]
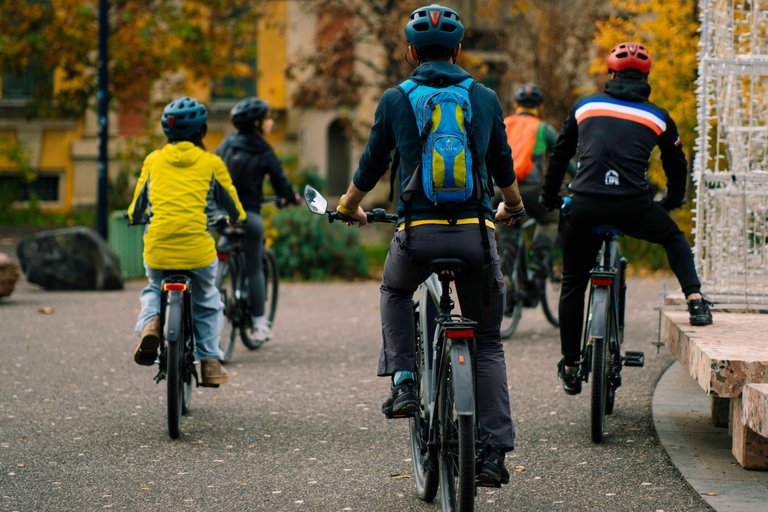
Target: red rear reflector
[466,333]
[222,256]
[602,281]
[174,287]
[461,359]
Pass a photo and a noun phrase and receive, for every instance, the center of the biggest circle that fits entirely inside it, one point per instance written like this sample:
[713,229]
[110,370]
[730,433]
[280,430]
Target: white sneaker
[262,333]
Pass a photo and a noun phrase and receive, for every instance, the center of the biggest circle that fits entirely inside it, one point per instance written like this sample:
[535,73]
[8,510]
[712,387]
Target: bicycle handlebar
[375,215]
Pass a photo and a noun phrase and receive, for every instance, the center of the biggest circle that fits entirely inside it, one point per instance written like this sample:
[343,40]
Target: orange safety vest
[521,135]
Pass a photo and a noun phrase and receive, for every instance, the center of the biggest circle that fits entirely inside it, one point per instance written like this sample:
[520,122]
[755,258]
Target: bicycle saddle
[606,229]
[454,265]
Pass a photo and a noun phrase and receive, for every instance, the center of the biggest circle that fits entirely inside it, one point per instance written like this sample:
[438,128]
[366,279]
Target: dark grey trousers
[401,279]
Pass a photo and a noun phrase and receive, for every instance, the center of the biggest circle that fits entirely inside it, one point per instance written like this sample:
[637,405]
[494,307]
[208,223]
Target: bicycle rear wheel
[550,292]
[512,273]
[175,389]
[225,284]
[457,452]
[601,365]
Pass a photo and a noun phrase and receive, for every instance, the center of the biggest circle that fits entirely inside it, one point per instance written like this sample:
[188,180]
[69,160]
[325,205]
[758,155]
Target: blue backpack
[443,116]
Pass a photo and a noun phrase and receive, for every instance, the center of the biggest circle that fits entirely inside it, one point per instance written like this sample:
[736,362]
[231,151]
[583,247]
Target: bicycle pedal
[210,385]
[488,484]
[635,359]
[391,416]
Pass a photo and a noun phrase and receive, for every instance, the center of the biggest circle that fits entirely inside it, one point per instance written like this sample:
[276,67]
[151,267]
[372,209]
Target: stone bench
[725,359]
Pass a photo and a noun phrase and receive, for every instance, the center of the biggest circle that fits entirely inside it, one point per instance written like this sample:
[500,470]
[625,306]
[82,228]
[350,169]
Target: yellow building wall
[56,153]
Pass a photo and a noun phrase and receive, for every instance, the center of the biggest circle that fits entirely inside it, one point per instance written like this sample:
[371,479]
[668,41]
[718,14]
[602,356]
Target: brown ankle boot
[213,373]
[146,350]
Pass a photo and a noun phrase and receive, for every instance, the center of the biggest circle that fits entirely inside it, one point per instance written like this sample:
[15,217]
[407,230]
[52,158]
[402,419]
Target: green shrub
[643,255]
[307,246]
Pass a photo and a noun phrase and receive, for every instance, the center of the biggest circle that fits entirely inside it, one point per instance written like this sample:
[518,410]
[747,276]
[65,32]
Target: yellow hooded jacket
[176,185]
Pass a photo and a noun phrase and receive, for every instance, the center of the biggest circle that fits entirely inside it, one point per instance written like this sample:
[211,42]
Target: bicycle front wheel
[457,452]
[511,271]
[225,284]
[550,292]
[425,477]
[271,284]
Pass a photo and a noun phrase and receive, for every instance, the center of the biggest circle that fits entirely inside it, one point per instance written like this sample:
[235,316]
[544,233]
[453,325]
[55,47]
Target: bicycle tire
[550,292]
[427,480]
[601,366]
[174,373]
[457,466]
[511,271]
[271,284]
[226,287]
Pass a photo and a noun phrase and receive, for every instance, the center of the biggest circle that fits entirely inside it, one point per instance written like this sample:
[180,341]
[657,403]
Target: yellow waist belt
[443,222]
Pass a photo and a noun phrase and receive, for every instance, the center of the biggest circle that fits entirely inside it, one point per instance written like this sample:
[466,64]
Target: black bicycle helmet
[182,118]
[434,25]
[247,112]
[529,96]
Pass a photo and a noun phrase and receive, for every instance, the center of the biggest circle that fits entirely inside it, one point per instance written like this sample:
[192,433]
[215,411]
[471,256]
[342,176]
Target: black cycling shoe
[403,400]
[698,311]
[570,378]
[491,472]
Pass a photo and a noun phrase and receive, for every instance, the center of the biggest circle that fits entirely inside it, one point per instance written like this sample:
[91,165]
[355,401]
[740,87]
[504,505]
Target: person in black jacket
[250,158]
[615,132]
[435,35]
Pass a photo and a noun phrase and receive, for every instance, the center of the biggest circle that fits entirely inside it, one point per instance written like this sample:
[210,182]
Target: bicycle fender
[600,302]
[172,328]
[461,370]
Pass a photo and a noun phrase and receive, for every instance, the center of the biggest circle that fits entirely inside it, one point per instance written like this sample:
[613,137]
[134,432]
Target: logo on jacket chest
[612,178]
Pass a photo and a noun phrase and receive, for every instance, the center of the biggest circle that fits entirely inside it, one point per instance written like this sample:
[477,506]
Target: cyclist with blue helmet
[434,34]
[250,159]
[173,191]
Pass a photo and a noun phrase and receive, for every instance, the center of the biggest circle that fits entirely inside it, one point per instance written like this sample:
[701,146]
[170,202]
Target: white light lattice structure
[731,163]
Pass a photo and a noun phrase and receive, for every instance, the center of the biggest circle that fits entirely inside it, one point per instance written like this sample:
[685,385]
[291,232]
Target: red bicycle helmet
[629,56]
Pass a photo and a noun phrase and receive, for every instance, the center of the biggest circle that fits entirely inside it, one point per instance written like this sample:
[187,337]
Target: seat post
[446,304]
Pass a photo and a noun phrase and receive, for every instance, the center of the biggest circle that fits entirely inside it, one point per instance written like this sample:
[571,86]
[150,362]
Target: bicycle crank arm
[634,359]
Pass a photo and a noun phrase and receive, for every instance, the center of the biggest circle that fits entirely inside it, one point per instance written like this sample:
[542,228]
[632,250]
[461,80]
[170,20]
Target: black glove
[670,204]
[550,202]
[296,199]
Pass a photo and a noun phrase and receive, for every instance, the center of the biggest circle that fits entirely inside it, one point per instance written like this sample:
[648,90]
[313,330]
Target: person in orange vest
[531,139]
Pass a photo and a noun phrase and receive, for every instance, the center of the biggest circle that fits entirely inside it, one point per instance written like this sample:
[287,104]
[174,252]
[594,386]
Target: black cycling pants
[638,217]
[402,276]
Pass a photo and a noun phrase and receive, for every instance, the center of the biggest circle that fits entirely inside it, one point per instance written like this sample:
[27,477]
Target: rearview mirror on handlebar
[315,201]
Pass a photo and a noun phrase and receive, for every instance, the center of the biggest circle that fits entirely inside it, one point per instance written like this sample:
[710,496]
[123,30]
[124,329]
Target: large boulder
[9,273]
[69,259]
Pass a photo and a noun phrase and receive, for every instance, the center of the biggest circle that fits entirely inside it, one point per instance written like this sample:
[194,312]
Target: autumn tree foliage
[343,26]
[149,40]
[669,29]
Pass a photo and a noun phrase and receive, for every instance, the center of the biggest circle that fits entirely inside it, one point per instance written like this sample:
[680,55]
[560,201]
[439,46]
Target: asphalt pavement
[299,427]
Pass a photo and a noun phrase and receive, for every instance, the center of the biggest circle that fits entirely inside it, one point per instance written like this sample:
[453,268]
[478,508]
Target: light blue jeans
[207,308]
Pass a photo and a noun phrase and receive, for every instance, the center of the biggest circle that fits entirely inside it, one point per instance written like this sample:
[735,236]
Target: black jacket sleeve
[498,158]
[280,184]
[375,160]
[673,161]
[562,152]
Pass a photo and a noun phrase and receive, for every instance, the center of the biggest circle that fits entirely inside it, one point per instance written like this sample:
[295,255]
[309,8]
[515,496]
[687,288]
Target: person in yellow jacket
[174,190]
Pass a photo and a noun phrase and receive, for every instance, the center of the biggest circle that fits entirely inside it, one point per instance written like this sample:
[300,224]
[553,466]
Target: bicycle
[604,330]
[232,282]
[527,287]
[443,433]
[176,358]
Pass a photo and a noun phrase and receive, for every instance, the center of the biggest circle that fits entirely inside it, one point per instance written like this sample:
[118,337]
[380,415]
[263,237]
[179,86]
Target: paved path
[298,428]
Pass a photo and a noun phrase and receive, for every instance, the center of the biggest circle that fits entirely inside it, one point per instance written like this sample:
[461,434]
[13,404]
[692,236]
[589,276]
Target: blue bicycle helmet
[247,112]
[183,117]
[434,25]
